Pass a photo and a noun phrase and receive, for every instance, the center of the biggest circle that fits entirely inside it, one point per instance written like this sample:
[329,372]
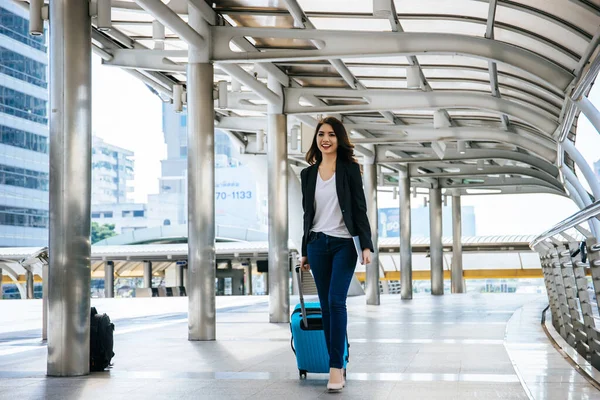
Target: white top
[328,215]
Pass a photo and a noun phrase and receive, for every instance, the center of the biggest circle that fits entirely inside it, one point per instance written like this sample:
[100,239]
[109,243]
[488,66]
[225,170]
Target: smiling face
[327,140]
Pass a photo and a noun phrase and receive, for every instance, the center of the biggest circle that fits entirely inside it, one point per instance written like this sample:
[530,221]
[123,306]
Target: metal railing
[569,253]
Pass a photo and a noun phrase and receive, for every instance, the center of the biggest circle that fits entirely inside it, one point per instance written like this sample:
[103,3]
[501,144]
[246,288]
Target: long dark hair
[345,150]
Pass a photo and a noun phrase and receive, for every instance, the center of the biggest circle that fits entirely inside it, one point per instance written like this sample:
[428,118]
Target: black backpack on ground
[101,341]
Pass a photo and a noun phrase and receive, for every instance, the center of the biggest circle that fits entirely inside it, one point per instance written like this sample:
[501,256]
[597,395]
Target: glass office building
[23,131]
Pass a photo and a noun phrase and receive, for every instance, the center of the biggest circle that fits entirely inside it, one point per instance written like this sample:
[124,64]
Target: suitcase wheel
[302,373]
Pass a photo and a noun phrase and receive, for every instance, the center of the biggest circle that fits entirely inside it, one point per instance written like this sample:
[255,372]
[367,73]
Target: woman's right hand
[304,266]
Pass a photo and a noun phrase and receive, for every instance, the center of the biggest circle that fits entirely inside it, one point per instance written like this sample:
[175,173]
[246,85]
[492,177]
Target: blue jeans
[332,261]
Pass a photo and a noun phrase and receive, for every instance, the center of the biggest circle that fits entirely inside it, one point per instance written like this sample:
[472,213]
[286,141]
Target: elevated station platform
[469,346]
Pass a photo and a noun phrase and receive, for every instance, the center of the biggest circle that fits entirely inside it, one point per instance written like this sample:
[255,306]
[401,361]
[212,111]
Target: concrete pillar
[249,278]
[372,273]
[70,108]
[457,281]
[277,166]
[147,274]
[109,279]
[435,241]
[405,235]
[201,186]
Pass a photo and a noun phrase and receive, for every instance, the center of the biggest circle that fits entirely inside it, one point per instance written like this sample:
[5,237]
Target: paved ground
[433,347]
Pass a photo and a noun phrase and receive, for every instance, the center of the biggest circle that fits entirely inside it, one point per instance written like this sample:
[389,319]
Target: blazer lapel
[311,186]
[340,174]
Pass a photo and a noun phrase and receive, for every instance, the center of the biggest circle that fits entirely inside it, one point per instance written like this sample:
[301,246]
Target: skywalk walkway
[470,346]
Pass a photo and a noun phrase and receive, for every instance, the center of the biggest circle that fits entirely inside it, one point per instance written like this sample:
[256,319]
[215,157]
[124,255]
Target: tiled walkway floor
[433,347]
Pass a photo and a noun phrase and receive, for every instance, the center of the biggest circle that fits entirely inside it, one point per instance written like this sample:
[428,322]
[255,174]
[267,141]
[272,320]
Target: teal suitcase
[308,338]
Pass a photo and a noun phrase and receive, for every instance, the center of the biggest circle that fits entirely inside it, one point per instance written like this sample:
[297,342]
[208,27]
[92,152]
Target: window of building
[103,164]
[28,217]
[183,120]
[23,178]
[24,68]
[138,213]
[24,140]
[108,214]
[126,214]
[17,28]
[183,151]
[167,222]
[23,105]
[95,215]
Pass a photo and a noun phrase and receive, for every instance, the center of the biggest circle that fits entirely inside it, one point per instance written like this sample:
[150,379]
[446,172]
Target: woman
[334,211]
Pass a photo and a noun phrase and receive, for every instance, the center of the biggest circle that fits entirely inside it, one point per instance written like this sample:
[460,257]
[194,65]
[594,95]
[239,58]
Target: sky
[126,114]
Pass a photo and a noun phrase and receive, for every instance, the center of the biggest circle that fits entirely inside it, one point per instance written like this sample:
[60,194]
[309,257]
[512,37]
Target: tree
[101,232]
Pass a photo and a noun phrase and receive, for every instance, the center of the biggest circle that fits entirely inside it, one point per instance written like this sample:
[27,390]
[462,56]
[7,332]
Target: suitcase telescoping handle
[302,306]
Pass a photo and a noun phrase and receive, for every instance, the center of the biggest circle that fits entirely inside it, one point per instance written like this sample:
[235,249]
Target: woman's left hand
[366,257]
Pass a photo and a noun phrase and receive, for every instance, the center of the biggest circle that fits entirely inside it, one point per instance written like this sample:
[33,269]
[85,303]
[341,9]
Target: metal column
[457,281]
[435,242]
[29,285]
[201,187]
[109,279]
[147,274]
[249,279]
[405,234]
[44,301]
[70,188]
[1,279]
[180,275]
[372,275]
[277,164]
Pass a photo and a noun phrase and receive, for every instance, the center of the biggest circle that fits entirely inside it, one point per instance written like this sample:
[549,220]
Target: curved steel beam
[471,170]
[169,18]
[574,195]
[15,277]
[513,185]
[394,99]
[543,146]
[553,101]
[475,154]
[353,44]
[522,189]
[556,95]
[127,266]
[491,182]
[581,162]
[470,135]
[584,196]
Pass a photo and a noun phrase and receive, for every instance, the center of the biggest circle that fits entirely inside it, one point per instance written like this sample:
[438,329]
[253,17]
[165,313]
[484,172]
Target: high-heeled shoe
[337,386]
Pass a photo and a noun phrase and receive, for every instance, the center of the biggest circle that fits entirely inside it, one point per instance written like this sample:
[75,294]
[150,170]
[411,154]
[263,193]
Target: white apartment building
[126,217]
[24,168]
[112,170]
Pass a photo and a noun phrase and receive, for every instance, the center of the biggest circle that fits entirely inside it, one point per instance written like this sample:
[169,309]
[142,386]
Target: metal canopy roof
[127,258]
[474,94]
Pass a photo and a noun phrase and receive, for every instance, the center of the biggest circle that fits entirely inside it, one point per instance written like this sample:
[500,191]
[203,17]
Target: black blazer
[349,188]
